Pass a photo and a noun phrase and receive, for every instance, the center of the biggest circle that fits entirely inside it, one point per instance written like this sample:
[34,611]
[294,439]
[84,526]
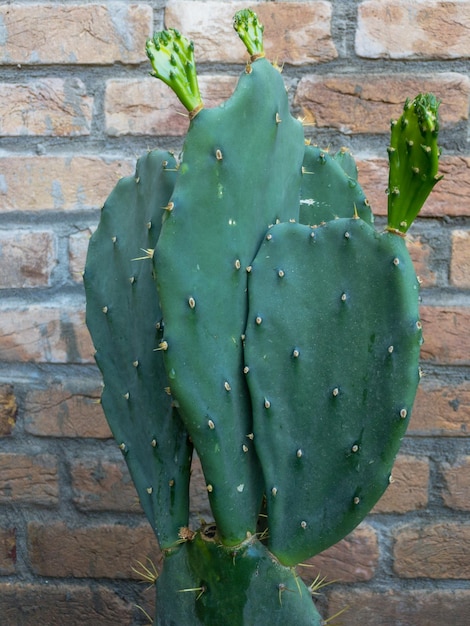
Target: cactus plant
[242,302]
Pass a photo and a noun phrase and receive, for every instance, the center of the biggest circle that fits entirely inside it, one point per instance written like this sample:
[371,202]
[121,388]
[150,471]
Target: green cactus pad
[122,316]
[347,162]
[414,160]
[240,173]
[332,378]
[330,188]
[242,586]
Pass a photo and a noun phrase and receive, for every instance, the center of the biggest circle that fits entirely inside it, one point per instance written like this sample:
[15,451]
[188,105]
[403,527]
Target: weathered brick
[148,107]
[446,334]
[456,489]
[28,478]
[413,29]
[99,551]
[29,604]
[409,489]
[27,258]
[103,486]
[418,607]
[45,334]
[78,248]
[421,254]
[353,559]
[366,103]
[7,551]
[449,196]
[8,410]
[58,107]
[441,409]
[65,410]
[460,259]
[296,32]
[48,33]
[58,183]
[440,550]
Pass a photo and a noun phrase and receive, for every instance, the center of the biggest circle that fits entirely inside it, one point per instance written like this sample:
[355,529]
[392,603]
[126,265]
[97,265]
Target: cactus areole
[242,303]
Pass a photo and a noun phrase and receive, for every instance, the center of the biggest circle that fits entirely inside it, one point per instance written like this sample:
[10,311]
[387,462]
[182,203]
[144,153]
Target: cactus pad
[240,173]
[330,188]
[332,379]
[414,160]
[122,315]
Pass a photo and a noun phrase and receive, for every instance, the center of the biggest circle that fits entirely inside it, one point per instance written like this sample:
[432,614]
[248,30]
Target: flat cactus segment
[328,191]
[332,379]
[250,31]
[413,159]
[240,173]
[172,58]
[122,315]
[242,586]
[347,162]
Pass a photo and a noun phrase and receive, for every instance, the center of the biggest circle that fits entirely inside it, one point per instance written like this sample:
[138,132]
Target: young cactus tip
[413,159]
[172,58]
[250,30]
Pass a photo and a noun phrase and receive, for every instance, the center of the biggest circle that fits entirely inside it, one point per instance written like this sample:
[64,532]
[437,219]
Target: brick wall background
[76,109]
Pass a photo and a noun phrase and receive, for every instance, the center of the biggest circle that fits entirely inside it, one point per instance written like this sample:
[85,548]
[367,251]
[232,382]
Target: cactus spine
[267,323]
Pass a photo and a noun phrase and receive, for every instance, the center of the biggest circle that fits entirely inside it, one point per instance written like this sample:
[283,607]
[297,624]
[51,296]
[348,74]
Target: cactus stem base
[206,583]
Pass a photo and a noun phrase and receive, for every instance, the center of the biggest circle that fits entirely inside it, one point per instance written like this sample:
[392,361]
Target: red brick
[8,410]
[82,34]
[440,550]
[45,334]
[446,334]
[30,604]
[103,486]
[421,255]
[45,107]
[58,183]
[295,32]
[366,103]
[409,490]
[441,410]
[7,551]
[460,259]
[146,106]
[456,489]
[449,196]
[65,410]
[418,607]
[78,248]
[99,551]
[410,29]
[29,479]
[27,258]
[353,559]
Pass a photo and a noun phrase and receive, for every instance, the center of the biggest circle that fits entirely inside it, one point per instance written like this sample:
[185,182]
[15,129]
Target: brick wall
[76,108]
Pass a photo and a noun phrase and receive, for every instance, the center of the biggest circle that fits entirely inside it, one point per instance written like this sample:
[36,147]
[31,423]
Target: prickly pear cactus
[241,301]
